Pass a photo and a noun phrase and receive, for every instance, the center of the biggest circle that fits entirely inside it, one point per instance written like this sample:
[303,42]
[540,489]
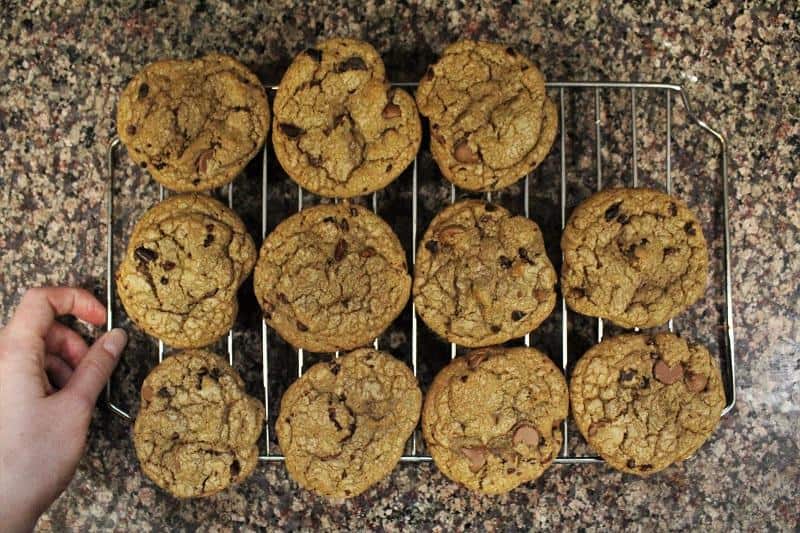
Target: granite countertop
[63,68]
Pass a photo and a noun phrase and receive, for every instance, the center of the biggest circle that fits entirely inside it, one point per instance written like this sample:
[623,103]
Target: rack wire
[415,448]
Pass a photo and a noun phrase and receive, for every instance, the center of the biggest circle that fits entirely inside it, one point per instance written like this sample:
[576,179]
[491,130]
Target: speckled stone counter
[63,68]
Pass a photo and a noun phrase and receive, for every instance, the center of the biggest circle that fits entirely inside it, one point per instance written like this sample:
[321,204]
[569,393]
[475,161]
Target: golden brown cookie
[645,402]
[193,125]
[491,120]
[196,430]
[634,256]
[185,260]
[482,276]
[343,425]
[492,419]
[332,277]
[339,129]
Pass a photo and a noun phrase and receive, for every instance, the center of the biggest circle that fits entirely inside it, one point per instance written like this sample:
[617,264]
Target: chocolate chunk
[464,154]
[168,265]
[290,130]
[164,280]
[476,457]
[391,111]
[526,434]
[341,250]
[523,254]
[143,90]
[689,228]
[490,207]
[517,315]
[626,376]
[314,54]
[369,251]
[673,209]
[344,225]
[432,246]
[505,262]
[208,240]
[143,164]
[351,63]
[145,254]
[696,382]
[163,392]
[131,129]
[301,326]
[612,212]
[667,374]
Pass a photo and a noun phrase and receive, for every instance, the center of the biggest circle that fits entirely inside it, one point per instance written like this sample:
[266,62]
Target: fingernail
[114,341]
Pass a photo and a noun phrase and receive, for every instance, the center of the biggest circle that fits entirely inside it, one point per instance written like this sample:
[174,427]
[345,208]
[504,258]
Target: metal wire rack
[415,448]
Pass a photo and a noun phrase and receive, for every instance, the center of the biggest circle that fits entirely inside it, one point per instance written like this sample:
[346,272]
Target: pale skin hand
[49,383]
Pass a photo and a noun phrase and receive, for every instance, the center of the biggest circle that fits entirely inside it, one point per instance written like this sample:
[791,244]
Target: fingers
[40,306]
[94,370]
[61,340]
[58,371]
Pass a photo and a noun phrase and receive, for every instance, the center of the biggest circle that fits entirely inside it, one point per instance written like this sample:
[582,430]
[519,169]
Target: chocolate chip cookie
[492,418]
[185,260]
[645,402]
[332,277]
[193,125]
[482,276]
[634,256]
[491,120]
[343,425]
[196,430]
[339,129]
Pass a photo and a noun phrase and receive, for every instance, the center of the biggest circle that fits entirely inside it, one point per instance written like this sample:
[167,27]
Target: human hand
[49,383]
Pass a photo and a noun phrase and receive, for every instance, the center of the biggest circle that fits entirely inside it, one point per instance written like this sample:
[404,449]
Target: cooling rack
[561,92]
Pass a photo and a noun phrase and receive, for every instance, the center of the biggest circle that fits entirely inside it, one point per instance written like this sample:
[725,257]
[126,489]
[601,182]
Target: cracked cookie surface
[197,429]
[645,402]
[491,120]
[332,277]
[186,258]
[492,418]
[343,425]
[195,124]
[482,276]
[634,256]
[339,129]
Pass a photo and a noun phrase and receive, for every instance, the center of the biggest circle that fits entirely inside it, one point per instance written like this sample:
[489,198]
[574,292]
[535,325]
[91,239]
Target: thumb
[95,368]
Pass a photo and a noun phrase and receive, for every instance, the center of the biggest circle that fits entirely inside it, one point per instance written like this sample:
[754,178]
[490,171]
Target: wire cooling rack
[561,91]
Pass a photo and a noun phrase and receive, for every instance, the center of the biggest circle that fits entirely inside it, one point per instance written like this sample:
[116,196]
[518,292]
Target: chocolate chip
[505,262]
[689,228]
[510,51]
[344,225]
[143,164]
[523,253]
[196,181]
[301,326]
[208,240]
[495,328]
[517,315]
[332,417]
[314,54]
[282,298]
[131,129]
[290,130]
[341,250]
[626,376]
[428,74]
[643,241]
[388,167]
[335,367]
[143,90]
[351,63]
[314,161]
[646,467]
[329,220]
[631,463]
[235,468]
[673,209]
[209,227]
[391,111]
[161,166]
[163,392]
[164,280]
[623,219]
[490,207]
[464,378]
[369,251]
[168,265]
[612,212]
[176,435]
[145,254]
[432,246]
